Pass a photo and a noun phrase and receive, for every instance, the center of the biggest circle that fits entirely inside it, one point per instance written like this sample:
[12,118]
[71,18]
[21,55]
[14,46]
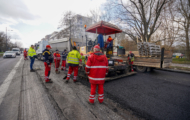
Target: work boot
[75,81]
[57,72]
[132,70]
[91,102]
[66,81]
[49,81]
[32,70]
[61,69]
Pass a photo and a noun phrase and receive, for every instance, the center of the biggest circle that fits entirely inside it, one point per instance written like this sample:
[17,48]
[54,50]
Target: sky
[31,20]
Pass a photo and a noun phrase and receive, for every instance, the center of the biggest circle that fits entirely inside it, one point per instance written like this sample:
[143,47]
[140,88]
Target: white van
[16,50]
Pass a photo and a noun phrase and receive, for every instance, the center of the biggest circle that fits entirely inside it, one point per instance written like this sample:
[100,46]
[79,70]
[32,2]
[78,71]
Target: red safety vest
[57,56]
[97,68]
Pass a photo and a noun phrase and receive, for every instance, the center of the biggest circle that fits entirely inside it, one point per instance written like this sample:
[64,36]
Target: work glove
[88,72]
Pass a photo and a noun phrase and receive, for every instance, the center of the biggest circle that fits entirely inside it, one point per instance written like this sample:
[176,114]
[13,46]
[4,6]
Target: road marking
[4,87]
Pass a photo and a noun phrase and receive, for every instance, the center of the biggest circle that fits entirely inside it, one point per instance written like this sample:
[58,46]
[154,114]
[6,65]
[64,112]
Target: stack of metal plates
[148,49]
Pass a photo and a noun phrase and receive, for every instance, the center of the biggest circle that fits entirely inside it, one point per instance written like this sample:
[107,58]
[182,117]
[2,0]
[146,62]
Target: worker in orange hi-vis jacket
[96,69]
[25,55]
[57,58]
[108,41]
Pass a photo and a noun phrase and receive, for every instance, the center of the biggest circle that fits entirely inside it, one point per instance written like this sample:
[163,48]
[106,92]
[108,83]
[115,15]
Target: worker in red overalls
[64,57]
[57,58]
[25,55]
[48,59]
[96,69]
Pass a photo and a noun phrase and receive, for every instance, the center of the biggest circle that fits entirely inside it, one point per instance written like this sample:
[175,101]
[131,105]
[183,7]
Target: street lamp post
[6,37]
[70,31]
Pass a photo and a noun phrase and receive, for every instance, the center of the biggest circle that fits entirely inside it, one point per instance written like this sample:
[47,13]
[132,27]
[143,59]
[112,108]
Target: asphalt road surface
[6,65]
[159,95]
[22,96]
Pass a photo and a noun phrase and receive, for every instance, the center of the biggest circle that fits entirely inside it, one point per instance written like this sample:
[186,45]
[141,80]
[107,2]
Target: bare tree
[3,41]
[128,44]
[19,44]
[67,22]
[139,18]
[98,15]
[169,31]
[182,17]
[74,24]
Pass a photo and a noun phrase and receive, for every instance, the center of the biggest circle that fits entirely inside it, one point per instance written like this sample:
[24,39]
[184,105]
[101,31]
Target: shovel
[70,76]
[65,77]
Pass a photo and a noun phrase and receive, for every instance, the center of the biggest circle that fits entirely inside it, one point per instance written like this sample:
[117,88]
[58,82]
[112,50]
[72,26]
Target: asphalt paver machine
[117,68]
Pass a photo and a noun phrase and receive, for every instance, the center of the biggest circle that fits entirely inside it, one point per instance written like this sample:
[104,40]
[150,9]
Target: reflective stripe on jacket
[97,68]
[131,57]
[31,52]
[74,56]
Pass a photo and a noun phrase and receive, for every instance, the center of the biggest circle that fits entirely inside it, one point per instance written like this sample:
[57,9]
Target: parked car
[9,54]
[16,50]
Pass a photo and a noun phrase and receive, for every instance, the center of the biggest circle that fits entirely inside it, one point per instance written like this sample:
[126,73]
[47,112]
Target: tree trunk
[187,43]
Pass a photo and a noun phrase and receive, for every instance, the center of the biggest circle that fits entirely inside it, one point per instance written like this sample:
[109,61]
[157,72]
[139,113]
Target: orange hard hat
[48,46]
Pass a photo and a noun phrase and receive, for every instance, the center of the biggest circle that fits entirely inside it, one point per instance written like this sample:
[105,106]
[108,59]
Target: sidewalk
[72,99]
[181,65]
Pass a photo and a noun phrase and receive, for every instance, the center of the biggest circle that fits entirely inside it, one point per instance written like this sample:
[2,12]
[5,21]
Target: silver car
[9,54]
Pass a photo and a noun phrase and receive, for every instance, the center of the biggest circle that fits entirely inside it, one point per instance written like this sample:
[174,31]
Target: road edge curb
[171,70]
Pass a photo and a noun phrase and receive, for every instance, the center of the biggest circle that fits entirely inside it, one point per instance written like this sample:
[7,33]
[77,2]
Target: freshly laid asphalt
[159,95]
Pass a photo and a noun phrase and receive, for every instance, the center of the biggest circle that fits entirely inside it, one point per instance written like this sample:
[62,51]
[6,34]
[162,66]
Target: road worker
[32,55]
[131,59]
[48,59]
[73,62]
[80,60]
[96,69]
[64,57]
[57,58]
[109,42]
[89,53]
[25,55]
